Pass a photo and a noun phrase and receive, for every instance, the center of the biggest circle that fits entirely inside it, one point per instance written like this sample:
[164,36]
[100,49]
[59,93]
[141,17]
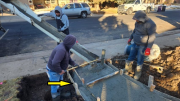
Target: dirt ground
[35,88]
[167,82]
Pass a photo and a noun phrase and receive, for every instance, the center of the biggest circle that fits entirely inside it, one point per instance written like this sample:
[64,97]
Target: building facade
[176,1]
[50,4]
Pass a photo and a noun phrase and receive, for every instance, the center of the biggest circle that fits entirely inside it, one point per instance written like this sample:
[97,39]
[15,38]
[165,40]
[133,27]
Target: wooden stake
[121,71]
[76,89]
[103,56]
[82,81]
[110,61]
[150,83]
[74,84]
[151,80]
[152,87]
[104,77]
[98,99]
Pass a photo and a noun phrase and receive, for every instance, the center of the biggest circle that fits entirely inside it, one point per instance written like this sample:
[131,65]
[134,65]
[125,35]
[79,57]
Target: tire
[83,14]
[148,10]
[129,11]
[119,13]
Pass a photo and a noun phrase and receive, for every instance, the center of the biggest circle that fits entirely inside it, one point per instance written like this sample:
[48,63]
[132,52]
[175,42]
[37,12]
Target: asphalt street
[24,38]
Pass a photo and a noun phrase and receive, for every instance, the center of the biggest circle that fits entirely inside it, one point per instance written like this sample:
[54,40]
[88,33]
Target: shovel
[81,65]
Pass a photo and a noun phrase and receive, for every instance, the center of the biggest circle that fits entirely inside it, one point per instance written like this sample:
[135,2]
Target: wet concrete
[115,88]
[92,73]
[118,88]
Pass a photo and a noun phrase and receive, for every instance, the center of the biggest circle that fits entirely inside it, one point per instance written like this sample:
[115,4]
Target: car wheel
[129,11]
[148,10]
[83,14]
[119,13]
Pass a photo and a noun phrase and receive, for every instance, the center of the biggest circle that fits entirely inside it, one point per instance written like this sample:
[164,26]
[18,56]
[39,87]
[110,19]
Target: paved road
[24,38]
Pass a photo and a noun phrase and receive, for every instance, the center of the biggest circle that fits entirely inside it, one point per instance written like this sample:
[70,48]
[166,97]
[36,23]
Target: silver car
[1,10]
[77,9]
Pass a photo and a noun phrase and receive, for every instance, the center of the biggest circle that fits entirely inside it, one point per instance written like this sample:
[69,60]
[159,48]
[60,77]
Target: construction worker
[62,21]
[58,63]
[143,37]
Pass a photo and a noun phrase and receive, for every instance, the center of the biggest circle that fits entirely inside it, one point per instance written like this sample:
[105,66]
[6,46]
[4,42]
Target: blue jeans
[137,50]
[53,76]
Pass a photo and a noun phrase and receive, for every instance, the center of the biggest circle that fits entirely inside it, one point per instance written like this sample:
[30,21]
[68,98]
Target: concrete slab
[117,88]
[92,73]
[168,41]
[19,68]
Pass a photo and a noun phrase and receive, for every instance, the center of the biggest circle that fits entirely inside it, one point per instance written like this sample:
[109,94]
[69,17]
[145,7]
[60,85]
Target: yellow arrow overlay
[61,83]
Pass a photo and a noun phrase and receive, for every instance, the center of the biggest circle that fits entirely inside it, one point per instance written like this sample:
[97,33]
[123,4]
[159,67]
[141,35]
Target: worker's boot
[128,67]
[60,89]
[63,94]
[138,71]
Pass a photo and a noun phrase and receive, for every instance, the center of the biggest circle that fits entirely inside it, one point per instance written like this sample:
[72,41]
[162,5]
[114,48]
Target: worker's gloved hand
[76,65]
[129,41]
[40,15]
[147,52]
[62,72]
[59,30]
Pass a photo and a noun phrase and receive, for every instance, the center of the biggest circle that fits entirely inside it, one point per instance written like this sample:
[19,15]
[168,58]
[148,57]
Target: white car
[132,6]
[77,9]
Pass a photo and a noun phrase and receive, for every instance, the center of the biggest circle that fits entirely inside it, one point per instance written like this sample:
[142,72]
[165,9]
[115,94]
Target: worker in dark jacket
[143,37]
[58,63]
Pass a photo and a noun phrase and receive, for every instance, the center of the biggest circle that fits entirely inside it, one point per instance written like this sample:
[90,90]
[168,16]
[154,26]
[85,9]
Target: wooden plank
[151,80]
[104,77]
[78,75]
[76,89]
[82,81]
[121,71]
[98,99]
[74,84]
[152,87]
[150,83]
[103,56]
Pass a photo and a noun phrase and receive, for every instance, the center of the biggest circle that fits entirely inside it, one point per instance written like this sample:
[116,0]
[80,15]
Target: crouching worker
[58,63]
[143,37]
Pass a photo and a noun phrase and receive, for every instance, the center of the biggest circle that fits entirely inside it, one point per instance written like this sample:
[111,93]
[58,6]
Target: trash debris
[1,83]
